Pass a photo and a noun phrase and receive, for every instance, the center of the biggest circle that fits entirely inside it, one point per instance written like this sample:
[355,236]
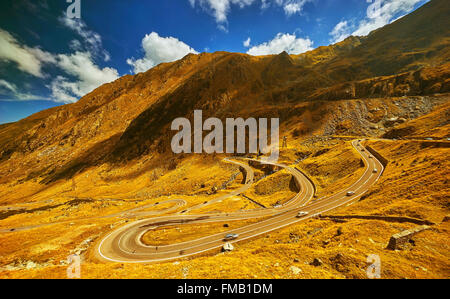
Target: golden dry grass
[414,184]
[186,232]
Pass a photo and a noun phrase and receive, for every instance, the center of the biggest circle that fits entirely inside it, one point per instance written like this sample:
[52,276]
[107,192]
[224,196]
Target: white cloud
[92,40]
[159,49]
[29,60]
[63,90]
[292,7]
[81,66]
[282,42]
[383,12]
[247,42]
[340,32]
[9,91]
[9,87]
[43,56]
[265,4]
[89,76]
[75,45]
[379,13]
[220,9]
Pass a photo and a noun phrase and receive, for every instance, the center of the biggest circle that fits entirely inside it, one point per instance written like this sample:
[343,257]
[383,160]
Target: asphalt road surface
[124,244]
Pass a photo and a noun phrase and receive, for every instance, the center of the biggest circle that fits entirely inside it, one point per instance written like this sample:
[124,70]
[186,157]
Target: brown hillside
[130,117]
[72,174]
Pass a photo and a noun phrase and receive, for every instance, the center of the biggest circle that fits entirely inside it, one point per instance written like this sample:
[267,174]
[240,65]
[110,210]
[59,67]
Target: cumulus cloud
[247,42]
[159,49]
[29,60]
[379,13]
[220,9]
[63,90]
[85,74]
[282,42]
[89,76]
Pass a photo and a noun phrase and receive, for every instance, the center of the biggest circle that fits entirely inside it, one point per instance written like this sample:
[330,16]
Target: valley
[364,137]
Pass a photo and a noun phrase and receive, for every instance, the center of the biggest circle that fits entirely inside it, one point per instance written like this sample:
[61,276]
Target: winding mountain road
[124,244]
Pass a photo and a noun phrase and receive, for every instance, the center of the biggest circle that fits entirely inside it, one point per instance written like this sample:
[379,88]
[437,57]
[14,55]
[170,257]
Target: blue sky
[48,59]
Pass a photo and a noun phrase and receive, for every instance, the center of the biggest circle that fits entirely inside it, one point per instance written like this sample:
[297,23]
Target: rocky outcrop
[316,262]
[397,241]
[400,219]
[426,81]
[227,247]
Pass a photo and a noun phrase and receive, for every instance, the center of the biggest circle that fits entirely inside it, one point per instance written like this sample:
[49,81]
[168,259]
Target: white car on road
[230,237]
[350,193]
[301,214]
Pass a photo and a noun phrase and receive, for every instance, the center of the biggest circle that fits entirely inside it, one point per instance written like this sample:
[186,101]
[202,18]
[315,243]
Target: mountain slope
[130,118]
[416,40]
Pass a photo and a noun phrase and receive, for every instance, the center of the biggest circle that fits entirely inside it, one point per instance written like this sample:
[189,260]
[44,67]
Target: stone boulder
[398,240]
[227,247]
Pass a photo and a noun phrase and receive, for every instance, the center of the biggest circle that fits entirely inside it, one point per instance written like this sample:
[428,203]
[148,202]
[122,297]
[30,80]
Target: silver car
[230,237]
[301,214]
